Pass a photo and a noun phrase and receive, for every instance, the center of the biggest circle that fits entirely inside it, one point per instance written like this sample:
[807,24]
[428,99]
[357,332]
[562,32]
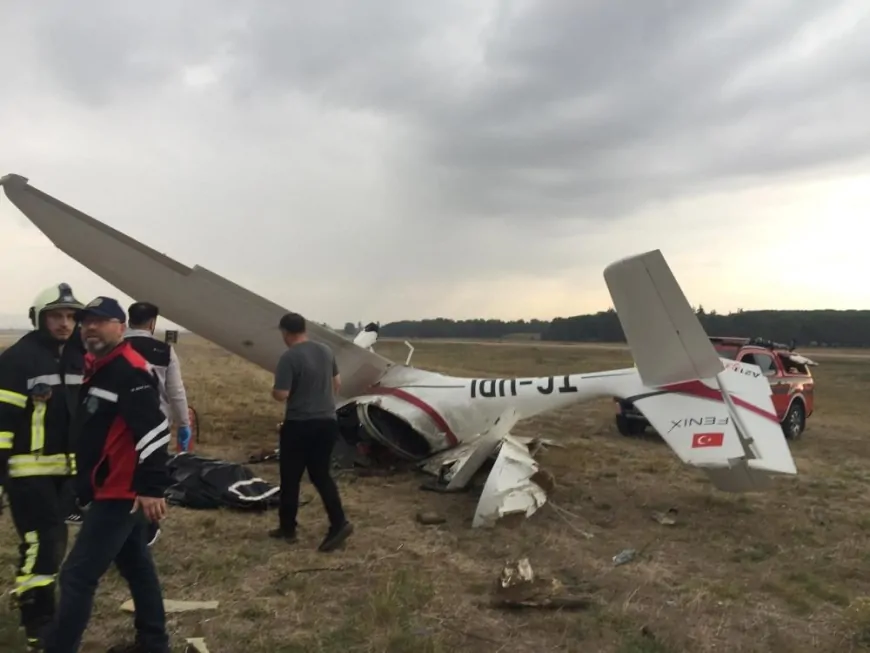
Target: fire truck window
[764,361]
[791,366]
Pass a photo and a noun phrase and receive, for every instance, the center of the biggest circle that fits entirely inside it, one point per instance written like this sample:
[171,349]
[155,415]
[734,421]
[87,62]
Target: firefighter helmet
[58,296]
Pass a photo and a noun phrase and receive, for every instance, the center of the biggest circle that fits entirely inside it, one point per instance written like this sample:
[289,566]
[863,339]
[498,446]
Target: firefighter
[40,376]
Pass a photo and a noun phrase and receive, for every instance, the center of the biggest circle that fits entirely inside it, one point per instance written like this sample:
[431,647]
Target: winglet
[12,178]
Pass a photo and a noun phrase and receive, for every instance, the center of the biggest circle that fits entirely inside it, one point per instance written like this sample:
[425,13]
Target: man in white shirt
[142,321]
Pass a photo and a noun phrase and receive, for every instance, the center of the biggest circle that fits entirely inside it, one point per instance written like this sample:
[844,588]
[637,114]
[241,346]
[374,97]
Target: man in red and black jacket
[121,437]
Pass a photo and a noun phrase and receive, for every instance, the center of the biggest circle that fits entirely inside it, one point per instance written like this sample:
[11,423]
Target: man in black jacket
[122,437]
[40,376]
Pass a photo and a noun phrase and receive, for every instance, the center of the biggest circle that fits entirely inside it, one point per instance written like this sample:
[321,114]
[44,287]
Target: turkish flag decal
[707,440]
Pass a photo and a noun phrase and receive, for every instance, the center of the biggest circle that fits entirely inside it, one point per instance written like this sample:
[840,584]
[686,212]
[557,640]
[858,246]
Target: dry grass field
[784,571]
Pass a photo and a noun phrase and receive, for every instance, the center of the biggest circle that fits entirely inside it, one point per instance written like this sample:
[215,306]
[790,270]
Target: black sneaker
[74,518]
[335,537]
[281,534]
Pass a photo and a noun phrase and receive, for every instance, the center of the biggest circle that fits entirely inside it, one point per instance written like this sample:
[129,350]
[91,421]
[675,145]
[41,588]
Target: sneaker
[74,518]
[280,534]
[35,645]
[335,537]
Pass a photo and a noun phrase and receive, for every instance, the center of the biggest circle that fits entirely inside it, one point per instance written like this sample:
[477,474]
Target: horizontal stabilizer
[730,431]
[666,339]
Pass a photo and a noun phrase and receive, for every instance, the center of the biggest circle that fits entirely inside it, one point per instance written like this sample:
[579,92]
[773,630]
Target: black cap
[104,307]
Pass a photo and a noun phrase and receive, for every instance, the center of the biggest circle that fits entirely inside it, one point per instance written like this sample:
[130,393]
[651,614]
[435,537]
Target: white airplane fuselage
[444,411]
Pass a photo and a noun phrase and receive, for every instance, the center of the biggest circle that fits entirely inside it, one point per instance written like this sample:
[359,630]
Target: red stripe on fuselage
[698,389]
[422,405]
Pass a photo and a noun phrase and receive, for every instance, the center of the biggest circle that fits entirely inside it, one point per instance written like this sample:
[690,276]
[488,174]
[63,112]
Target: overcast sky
[383,160]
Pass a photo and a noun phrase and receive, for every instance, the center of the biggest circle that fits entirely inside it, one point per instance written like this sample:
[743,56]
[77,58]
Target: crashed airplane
[450,425]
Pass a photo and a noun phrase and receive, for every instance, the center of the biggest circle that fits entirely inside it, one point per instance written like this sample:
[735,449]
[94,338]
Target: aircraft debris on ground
[449,425]
[519,586]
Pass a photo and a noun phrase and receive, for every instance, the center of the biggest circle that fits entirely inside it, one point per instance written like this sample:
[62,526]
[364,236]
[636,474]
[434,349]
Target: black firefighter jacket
[39,387]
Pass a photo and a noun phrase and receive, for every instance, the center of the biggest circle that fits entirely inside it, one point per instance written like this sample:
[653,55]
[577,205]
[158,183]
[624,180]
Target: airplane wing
[197,299]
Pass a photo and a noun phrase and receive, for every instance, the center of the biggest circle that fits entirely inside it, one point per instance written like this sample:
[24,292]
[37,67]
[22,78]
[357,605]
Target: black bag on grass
[207,484]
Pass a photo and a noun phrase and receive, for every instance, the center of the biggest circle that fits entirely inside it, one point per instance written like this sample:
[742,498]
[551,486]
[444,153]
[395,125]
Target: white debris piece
[171,606]
[195,645]
[509,487]
[463,470]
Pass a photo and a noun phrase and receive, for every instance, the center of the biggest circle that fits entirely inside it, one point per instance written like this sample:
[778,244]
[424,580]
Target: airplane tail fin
[715,414]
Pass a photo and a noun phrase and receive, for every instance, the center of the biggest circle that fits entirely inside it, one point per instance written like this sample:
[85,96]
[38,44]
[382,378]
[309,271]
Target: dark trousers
[39,506]
[109,533]
[308,444]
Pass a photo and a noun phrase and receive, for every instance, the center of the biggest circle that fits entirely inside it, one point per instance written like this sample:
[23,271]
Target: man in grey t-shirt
[307,380]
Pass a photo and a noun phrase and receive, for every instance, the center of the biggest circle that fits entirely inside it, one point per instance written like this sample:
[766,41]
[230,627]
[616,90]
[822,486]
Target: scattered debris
[664,518]
[195,645]
[518,587]
[624,557]
[564,514]
[264,456]
[512,485]
[430,518]
[176,606]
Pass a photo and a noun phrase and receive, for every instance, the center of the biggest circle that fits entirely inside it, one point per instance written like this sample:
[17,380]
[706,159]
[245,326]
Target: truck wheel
[629,427]
[795,421]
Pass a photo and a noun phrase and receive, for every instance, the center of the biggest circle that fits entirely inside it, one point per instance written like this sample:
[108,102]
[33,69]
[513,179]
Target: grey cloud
[106,49]
[590,108]
[507,113]
[575,109]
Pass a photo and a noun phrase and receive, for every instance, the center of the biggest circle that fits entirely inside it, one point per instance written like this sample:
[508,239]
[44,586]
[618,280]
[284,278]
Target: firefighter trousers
[39,507]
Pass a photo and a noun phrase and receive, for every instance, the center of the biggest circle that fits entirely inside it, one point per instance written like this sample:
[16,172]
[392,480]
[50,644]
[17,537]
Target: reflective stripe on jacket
[34,430]
[121,433]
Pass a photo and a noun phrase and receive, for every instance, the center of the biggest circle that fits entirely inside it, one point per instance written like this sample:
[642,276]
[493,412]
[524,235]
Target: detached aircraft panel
[197,299]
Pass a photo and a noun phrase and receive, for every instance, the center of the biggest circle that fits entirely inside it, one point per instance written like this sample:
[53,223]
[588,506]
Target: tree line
[825,328]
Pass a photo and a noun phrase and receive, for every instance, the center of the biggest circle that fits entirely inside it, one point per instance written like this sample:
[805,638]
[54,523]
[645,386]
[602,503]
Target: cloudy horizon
[400,160]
